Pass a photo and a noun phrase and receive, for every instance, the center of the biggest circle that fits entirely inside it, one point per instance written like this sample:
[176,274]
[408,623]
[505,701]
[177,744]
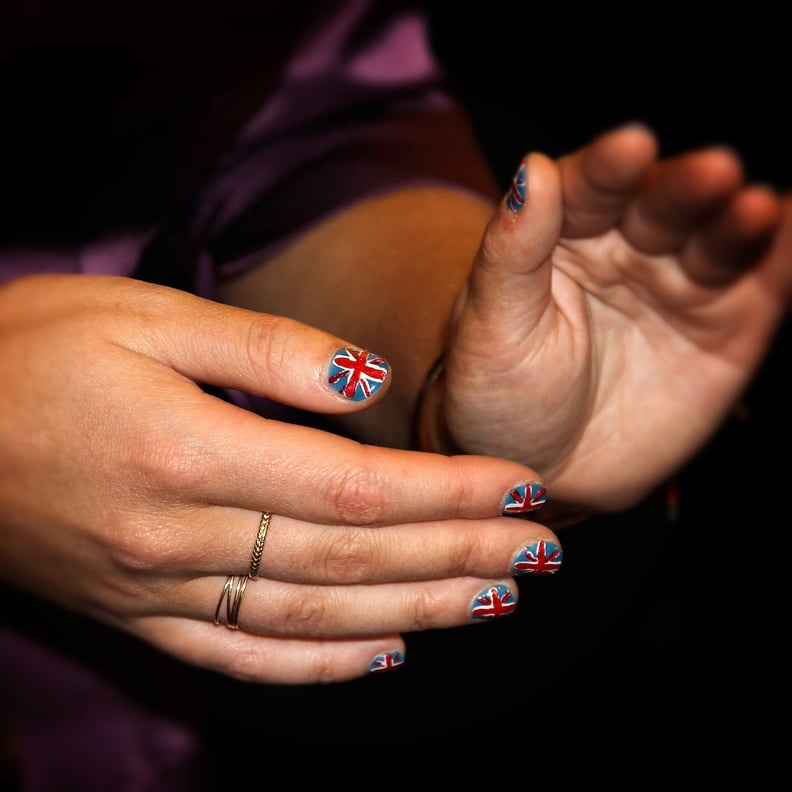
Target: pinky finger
[276,661]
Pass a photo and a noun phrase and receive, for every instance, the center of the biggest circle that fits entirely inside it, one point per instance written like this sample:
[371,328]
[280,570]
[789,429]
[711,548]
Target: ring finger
[293,551]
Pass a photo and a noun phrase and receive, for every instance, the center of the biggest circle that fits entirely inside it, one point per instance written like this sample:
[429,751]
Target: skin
[600,335]
[129,494]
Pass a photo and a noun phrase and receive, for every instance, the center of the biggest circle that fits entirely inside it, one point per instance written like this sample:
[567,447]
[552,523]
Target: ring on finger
[235,585]
[232,592]
[258,546]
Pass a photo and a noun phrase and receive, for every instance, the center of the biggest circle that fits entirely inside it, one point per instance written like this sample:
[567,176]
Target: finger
[264,355]
[680,196]
[736,239]
[268,660]
[511,275]
[776,264]
[297,552]
[273,608]
[600,179]
[691,202]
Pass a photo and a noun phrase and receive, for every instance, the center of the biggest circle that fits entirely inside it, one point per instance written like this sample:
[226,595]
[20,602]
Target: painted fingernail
[523,498]
[538,558]
[357,373]
[515,200]
[386,661]
[493,602]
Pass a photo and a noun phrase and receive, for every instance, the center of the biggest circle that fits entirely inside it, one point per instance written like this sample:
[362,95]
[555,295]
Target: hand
[129,494]
[611,323]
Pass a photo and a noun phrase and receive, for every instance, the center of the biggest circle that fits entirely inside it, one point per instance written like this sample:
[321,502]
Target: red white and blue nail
[493,602]
[515,200]
[523,498]
[538,558]
[386,661]
[357,373]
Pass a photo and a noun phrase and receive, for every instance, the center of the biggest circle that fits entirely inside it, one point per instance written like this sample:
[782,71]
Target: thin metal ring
[258,547]
[233,589]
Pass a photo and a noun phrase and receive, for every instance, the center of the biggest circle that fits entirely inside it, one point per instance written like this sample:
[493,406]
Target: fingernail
[515,200]
[356,373]
[493,602]
[523,498]
[538,558]
[386,661]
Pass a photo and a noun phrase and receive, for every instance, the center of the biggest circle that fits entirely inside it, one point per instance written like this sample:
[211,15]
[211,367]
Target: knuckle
[306,614]
[267,358]
[423,605]
[358,495]
[345,555]
[172,463]
[144,546]
[246,664]
[468,553]
[460,487]
[324,667]
[253,664]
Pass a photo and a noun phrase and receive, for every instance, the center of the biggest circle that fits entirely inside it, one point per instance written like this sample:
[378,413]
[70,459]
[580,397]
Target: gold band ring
[232,592]
[258,546]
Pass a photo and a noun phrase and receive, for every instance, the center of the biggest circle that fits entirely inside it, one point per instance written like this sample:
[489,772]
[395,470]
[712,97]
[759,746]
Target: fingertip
[618,159]
[494,601]
[515,197]
[357,375]
[523,498]
[517,194]
[755,216]
[632,132]
[739,239]
[279,359]
[538,558]
[387,660]
[762,207]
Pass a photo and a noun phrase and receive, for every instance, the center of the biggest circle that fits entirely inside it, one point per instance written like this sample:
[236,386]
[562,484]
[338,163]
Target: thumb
[509,285]
[268,356]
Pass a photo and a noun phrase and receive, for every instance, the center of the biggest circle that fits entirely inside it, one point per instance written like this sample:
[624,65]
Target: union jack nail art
[524,498]
[386,661]
[493,602]
[515,200]
[357,373]
[538,558]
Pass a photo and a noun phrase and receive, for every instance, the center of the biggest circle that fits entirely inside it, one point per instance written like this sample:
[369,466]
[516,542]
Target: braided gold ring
[258,546]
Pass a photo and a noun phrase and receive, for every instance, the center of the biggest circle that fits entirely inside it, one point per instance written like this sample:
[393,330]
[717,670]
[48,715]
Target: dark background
[661,640]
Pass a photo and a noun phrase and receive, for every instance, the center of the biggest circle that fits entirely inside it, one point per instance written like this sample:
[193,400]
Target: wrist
[429,429]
